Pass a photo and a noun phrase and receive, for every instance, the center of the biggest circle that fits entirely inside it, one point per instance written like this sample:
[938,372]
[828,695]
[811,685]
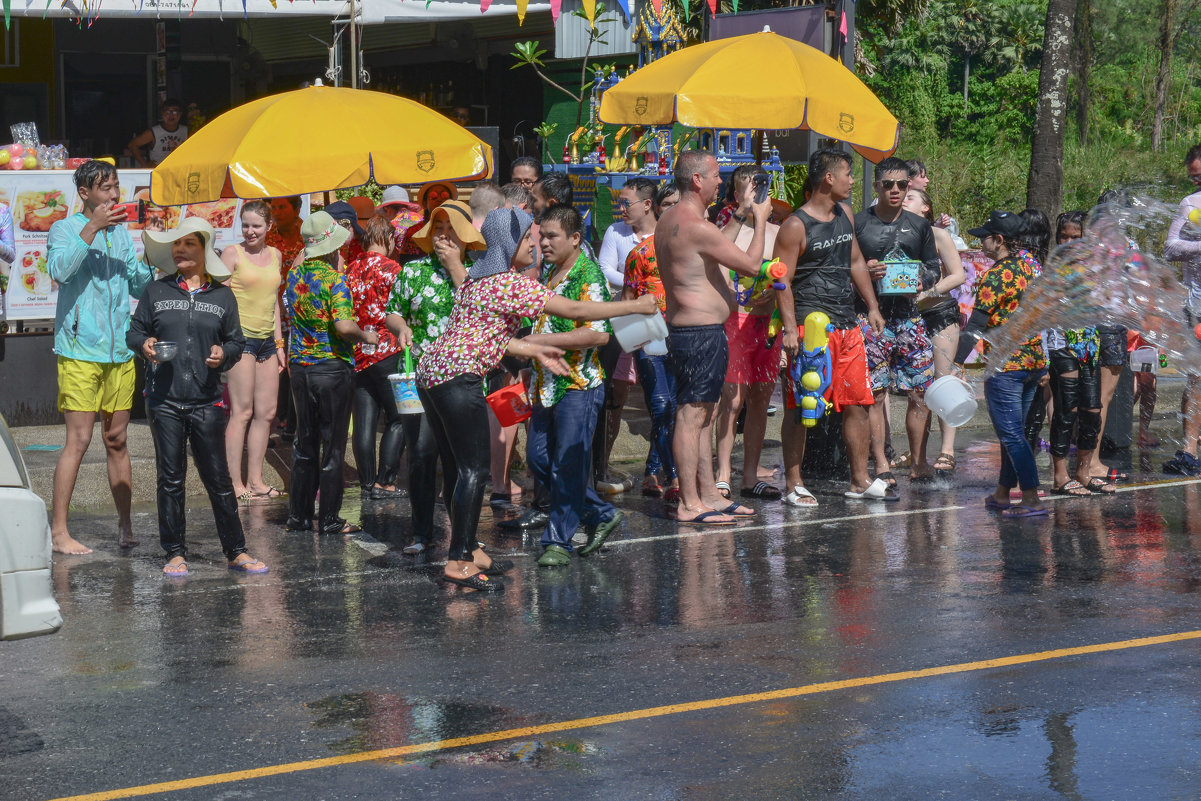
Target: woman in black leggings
[487,314]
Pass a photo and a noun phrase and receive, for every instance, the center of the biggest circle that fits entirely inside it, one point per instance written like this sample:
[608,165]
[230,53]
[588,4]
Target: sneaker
[1183,464]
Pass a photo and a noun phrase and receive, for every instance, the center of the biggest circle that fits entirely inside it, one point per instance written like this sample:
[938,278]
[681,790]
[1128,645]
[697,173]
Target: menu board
[40,198]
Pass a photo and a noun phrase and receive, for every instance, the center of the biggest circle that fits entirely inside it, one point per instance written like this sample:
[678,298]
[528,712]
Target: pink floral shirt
[486,315]
[369,278]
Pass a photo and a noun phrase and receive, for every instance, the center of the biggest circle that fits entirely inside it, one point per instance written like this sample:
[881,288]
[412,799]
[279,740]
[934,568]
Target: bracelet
[279,343]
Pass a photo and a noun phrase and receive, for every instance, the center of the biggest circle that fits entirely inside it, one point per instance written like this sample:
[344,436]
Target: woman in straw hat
[320,358]
[486,316]
[418,313]
[189,310]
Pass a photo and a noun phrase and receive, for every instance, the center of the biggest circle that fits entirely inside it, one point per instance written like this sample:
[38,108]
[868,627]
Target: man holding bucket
[566,408]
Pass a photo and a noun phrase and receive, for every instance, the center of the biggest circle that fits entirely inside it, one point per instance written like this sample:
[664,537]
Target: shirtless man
[691,253]
[825,269]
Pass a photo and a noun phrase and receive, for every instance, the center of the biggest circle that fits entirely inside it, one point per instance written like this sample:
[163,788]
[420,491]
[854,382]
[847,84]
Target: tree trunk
[1044,188]
[967,73]
[1165,70]
[1084,65]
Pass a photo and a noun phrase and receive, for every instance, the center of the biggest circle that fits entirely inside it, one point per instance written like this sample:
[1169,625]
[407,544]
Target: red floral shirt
[642,273]
[369,278]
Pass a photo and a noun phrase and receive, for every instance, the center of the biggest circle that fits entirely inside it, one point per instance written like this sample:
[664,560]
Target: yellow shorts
[94,386]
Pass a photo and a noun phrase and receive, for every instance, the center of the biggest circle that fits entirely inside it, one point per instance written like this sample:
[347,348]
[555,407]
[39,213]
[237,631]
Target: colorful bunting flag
[713,8]
[484,5]
[555,6]
[658,4]
[590,12]
[521,6]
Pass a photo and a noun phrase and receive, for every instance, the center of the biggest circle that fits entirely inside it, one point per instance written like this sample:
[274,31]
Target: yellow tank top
[256,289]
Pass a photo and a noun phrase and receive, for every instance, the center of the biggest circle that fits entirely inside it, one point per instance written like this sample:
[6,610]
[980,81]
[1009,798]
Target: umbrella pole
[354,48]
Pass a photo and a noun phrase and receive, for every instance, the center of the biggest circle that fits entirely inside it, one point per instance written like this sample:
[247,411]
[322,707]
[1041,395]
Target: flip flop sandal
[878,490]
[945,463]
[724,488]
[245,498]
[1072,489]
[671,495]
[498,567]
[704,519]
[902,461]
[476,581]
[1015,512]
[763,491]
[271,492]
[652,490]
[1114,476]
[175,573]
[991,504]
[888,478]
[1099,487]
[801,497]
[732,510]
[249,566]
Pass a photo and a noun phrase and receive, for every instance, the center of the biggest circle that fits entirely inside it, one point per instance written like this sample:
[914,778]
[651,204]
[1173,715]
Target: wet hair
[666,189]
[293,199]
[567,217]
[892,164]
[915,167]
[1037,234]
[744,173]
[92,172]
[526,161]
[822,162]
[1114,197]
[688,164]
[644,187]
[378,231]
[929,215]
[1193,154]
[258,207]
[517,196]
[1075,218]
[485,198]
[556,188]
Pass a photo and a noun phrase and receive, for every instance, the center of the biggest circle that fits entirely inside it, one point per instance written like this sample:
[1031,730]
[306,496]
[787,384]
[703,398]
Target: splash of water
[1111,276]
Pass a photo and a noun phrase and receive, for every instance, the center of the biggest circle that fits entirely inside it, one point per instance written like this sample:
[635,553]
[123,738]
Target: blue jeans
[659,386]
[559,454]
[1009,396]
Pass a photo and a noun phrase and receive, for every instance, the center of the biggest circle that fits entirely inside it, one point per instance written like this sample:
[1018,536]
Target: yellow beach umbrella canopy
[761,80]
[314,140]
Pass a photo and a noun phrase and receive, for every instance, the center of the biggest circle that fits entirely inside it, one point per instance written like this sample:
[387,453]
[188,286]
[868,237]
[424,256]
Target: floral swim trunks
[901,358]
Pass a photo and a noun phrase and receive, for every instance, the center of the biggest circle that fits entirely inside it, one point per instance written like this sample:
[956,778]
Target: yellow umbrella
[761,80]
[317,139]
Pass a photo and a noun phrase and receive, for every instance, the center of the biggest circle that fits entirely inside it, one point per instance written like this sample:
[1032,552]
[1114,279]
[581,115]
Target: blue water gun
[813,369]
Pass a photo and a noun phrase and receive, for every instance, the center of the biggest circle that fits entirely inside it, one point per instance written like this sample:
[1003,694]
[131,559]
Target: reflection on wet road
[679,663]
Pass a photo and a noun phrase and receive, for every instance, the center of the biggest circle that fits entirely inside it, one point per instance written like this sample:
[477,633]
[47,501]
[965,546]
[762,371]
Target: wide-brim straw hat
[459,214]
[322,235]
[158,244]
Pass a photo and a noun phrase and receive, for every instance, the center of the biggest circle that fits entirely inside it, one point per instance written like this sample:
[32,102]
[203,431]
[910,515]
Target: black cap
[1005,223]
[341,210]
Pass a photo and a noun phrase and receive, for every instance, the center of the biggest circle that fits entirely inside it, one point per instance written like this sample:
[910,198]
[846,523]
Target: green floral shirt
[584,281]
[316,297]
[424,295]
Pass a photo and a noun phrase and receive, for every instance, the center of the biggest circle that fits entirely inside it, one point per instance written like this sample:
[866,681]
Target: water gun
[813,369]
[746,287]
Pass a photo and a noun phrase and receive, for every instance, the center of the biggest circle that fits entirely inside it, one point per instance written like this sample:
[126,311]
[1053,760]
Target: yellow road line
[621,717]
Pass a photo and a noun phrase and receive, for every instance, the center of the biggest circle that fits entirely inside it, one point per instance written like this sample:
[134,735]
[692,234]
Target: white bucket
[951,398]
[633,331]
[656,347]
[1144,360]
[404,390]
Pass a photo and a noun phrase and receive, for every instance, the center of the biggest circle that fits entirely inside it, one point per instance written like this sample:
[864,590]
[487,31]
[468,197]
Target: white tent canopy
[370,11]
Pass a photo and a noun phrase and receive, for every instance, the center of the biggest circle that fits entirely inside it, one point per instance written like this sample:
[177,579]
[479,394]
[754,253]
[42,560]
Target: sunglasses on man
[902,184]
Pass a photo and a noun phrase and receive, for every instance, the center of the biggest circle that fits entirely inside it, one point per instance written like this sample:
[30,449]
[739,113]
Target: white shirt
[619,240]
[1184,245]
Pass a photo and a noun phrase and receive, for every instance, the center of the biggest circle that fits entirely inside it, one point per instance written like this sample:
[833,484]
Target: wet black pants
[322,395]
[458,416]
[1077,403]
[373,396]
[174,426]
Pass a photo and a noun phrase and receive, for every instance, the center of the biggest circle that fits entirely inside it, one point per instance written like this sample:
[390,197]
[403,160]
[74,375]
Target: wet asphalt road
[346,650]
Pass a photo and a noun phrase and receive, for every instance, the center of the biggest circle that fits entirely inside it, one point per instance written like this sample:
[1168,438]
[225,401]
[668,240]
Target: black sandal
[888,478]
[476,581]
[497,568]
[763,491]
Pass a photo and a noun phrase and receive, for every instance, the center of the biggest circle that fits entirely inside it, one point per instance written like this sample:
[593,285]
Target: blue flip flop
[245,567]
[730,510]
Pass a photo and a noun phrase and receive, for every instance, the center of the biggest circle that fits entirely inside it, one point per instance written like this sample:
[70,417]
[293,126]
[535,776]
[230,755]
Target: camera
[762,183]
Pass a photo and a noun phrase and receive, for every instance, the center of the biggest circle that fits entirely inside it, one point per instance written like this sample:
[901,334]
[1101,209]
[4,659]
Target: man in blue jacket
[92,258]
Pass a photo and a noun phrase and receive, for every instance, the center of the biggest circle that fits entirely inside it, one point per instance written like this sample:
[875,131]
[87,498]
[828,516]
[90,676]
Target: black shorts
[698,356]
[1113,346]
[941,317]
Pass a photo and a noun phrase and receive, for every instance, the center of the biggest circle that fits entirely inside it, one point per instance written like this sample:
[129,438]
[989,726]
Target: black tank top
[823,271]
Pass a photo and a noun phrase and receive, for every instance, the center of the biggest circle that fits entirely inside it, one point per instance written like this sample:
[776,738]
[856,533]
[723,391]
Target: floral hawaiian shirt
[642,273]
[487,313]
[584,281]
[424,295]
[289,249]
[1027,258]
[998,292]
[370,279]
[317,297]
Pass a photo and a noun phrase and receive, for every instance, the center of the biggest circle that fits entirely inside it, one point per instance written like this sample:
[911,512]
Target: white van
[27,606]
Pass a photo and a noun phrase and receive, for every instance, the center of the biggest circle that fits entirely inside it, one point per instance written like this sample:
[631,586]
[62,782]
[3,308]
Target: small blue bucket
[404,388]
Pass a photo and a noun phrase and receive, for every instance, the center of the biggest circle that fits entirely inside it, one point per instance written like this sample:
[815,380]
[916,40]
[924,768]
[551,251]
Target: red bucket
[510,404]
